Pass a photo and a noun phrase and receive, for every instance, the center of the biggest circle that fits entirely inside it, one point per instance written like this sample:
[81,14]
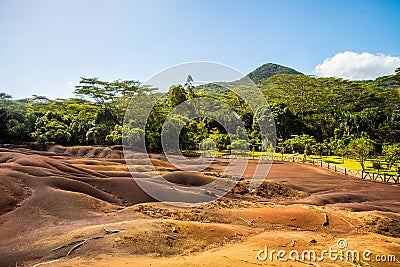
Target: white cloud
[354,66]
[70,83]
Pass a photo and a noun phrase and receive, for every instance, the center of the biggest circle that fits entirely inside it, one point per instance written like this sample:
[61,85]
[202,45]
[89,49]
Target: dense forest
[312,115]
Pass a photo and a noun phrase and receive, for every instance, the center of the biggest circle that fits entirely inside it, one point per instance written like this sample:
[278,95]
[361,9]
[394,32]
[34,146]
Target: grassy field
[354,165]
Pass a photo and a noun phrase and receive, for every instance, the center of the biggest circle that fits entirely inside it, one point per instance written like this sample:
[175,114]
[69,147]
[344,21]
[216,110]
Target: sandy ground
[81,207]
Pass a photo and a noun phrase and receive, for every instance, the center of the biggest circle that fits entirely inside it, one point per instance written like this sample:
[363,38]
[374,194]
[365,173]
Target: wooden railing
[387,178]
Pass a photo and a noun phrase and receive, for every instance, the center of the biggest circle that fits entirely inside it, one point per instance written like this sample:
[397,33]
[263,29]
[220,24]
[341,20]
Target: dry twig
[76,247]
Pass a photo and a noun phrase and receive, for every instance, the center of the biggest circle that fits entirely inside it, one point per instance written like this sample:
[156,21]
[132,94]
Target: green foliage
[222,140]
[286,123]
[301,143]
[360,148]
[17,130]
[392,154]
[51,130]
[176,95]
[4,118]
[105,116]
[98,90]
[392,81]
[195,131]
[320,148]
[115,136]
[239,147]
[338,143]
[97,135]
[324,104]
[78,129]
[377,165]
[133,137]
[103,92]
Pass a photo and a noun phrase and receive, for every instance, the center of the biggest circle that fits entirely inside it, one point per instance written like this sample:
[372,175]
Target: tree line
[331,112]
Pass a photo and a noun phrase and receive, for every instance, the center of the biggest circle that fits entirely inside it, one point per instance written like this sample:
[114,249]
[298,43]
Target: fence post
[345,171]
[335,168]
[328,165]
[384,177]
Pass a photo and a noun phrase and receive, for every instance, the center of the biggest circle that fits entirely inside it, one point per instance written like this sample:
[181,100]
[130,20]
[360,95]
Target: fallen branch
[78,243]
[75,247]
[110,232]
[96,237]
[66,245]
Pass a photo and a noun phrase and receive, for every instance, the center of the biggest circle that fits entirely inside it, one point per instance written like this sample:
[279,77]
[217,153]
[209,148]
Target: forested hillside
[260,74]
[330,110]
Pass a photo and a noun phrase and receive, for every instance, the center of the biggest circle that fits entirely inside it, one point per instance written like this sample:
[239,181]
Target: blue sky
[45,45]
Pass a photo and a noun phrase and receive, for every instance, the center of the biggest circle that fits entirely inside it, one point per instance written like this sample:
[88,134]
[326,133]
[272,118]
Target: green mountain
[258,76]
[268,70]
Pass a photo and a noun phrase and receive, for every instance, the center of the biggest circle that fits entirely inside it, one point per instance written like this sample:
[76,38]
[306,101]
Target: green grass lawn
[354,165]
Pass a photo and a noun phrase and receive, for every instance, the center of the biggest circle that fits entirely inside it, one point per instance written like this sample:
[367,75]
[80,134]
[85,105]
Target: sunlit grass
[352,164]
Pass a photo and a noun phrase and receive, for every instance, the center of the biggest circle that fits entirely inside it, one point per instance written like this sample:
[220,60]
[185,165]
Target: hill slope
[268,70]
[258,76]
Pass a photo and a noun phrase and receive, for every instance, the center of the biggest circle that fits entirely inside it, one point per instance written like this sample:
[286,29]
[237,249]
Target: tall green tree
[100,91]
[361,148]
[176,95]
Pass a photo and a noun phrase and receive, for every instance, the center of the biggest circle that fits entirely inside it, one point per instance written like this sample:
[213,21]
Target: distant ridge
[260,74]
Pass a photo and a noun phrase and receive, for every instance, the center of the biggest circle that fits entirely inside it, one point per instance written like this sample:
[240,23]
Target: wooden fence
[387,178]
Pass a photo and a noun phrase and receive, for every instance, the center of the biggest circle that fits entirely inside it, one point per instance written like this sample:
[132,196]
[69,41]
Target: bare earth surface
[81,207]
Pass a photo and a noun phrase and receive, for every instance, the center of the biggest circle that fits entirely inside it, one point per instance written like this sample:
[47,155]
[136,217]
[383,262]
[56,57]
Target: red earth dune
[80,206]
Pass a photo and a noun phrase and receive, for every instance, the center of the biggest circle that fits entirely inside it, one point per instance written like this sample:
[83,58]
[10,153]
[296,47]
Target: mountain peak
[260,74]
